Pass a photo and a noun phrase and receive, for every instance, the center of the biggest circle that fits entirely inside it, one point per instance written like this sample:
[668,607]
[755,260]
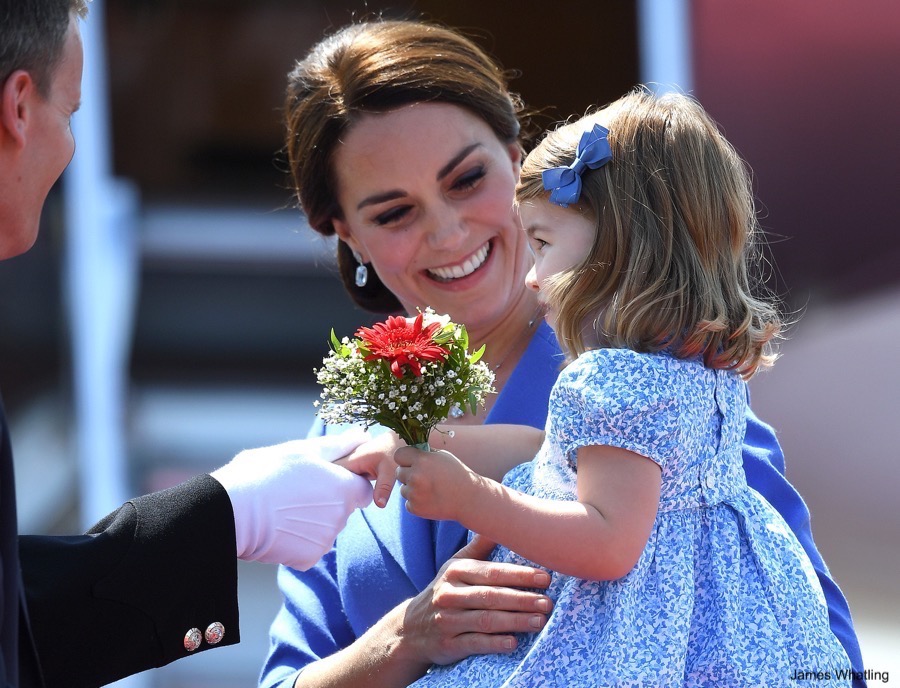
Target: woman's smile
[464,268]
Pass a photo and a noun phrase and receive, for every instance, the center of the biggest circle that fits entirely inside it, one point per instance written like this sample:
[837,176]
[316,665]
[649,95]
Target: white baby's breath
[358,391]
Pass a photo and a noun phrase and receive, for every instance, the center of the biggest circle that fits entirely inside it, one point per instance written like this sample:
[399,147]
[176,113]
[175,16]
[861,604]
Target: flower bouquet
[405,374]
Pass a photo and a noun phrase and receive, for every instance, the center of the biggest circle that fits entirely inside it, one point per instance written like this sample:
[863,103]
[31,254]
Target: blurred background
[175,304]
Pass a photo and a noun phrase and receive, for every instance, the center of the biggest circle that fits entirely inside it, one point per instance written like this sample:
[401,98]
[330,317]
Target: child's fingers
[354,465]
[405,456]
[384,484]
[479,547]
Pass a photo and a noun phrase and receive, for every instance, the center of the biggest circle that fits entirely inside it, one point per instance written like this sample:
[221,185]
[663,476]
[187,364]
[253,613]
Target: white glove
[289,501]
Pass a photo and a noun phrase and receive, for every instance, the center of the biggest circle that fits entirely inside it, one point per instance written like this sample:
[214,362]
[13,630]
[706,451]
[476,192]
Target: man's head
[40,88]
[32,35]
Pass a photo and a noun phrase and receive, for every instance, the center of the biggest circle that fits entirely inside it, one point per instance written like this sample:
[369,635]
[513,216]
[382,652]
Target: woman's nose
[447,230]
[531,280]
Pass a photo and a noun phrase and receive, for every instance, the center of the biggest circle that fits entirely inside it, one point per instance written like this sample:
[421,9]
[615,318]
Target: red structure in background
[809,93]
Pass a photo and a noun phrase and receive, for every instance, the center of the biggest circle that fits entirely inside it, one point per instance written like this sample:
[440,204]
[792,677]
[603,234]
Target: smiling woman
[412,162]
[425,196]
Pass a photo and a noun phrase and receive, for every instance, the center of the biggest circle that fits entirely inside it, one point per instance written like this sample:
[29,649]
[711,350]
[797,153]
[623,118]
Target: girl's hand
[436,485]
[375,460]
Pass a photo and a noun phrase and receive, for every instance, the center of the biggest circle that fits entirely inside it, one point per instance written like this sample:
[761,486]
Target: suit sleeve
[121,598]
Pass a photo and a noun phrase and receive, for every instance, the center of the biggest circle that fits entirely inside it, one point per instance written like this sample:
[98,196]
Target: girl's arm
[489,450]
[599,537]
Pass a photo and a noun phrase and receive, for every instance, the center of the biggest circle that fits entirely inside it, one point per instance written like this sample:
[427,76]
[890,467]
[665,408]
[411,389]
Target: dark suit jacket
[90,609]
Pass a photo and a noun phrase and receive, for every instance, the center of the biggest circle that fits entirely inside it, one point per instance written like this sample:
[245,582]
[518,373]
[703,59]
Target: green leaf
[463,337]
[476,355]
[443,336]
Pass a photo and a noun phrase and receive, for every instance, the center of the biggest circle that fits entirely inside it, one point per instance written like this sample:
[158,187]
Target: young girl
[667,570]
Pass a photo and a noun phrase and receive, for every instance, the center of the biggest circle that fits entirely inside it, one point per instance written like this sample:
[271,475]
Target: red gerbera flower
[403,343]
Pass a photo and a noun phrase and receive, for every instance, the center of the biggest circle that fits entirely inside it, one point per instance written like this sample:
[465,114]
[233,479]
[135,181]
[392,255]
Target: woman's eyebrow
[443,172]
[446,169]
[380,198]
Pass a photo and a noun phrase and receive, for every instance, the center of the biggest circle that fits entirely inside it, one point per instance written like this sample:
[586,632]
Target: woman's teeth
[467,268]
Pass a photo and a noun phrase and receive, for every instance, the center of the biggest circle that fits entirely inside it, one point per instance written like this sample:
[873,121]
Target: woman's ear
[343,232]
[515,154]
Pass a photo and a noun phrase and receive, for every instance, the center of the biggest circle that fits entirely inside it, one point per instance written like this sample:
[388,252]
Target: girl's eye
[391,216]
[537,245]
[469,180]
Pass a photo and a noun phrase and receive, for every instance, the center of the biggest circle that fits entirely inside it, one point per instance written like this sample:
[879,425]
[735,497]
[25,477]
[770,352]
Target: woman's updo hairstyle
[376,67]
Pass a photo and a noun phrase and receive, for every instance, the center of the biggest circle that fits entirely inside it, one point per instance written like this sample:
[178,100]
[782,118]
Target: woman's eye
[469,179]
[392,215]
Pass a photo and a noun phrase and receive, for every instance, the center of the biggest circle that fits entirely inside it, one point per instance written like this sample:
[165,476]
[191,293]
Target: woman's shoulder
[543,351]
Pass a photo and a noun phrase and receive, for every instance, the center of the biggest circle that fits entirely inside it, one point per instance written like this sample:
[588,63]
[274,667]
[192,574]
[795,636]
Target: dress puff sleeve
[618,398]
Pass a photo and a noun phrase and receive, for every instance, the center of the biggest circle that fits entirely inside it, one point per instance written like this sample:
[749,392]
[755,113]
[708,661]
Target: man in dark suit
[155,580]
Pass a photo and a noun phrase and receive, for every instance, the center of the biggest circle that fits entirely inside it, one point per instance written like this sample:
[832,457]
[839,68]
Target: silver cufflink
[214,633]
[192,639]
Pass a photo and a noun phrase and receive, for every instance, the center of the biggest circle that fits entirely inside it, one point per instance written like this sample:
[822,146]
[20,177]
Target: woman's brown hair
[375,67]
[672,261]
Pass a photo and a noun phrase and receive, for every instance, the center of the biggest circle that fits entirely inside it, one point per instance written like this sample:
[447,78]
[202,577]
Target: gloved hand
[289,501]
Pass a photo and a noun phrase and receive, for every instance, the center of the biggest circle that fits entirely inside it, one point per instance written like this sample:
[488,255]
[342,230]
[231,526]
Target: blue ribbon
[564,183]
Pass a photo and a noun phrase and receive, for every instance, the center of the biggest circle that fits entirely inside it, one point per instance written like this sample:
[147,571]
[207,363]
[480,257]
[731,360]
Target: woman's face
[426,193]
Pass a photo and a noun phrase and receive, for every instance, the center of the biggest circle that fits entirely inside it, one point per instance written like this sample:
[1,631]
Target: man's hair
[32,34]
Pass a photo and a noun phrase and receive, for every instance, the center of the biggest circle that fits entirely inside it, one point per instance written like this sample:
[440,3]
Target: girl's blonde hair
[670,266]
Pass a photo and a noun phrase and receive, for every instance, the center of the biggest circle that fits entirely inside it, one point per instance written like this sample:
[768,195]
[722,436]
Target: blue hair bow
[564,183]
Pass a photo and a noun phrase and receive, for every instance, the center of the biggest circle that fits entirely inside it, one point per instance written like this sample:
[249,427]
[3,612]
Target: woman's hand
[436,485]
[471,607]
[375,460]
[475,607]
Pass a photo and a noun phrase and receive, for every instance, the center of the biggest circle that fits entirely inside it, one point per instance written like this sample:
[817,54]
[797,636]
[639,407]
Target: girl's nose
[531,280]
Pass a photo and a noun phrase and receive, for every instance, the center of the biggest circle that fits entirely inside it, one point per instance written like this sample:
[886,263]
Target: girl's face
[426,193]
[560,238]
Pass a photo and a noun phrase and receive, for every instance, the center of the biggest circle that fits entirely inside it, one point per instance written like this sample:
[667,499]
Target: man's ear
[15,106]
[343,231]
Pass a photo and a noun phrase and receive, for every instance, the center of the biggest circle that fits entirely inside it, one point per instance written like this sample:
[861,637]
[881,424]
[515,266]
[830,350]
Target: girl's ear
[343,232]
[15,106]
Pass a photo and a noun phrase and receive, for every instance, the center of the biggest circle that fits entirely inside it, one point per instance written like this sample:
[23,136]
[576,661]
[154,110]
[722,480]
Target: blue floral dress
[723,594]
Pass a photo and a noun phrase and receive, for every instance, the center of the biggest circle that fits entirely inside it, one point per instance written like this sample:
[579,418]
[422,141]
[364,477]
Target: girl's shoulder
[624,363]
[658,375]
